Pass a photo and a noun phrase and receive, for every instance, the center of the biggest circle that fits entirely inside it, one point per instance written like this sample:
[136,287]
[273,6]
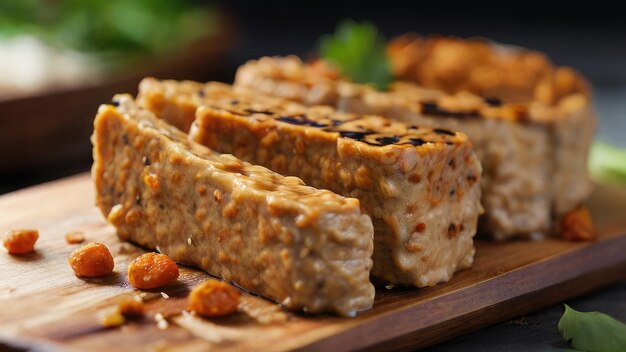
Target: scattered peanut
[20,241]
[577,225]
[214,298]
[91,260]
[75,237]
[152,270]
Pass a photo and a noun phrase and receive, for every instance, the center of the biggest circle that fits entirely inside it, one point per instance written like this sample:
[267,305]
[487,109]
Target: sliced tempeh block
[533,153]
[305,248]
[420,186]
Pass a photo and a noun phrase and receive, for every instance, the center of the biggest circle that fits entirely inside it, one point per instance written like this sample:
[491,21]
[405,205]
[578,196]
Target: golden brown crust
[478,66]
[402,175]
[533,153]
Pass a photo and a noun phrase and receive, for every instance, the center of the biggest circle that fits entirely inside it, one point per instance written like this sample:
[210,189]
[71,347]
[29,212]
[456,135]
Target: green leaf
[112,29]
[592,331]
[607,163]
[359,52]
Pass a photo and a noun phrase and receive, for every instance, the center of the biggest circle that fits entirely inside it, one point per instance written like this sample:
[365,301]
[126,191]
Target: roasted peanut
[152,270]
[214,298]
[20,241]
[92,260]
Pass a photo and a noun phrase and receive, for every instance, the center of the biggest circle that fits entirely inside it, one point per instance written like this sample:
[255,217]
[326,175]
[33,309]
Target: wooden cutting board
[44,306]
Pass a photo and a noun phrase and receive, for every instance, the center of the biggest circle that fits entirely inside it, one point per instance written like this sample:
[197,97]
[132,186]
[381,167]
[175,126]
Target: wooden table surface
[45,306]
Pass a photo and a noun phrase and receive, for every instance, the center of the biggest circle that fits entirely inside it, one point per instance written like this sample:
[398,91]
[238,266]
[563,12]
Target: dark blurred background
[590,36]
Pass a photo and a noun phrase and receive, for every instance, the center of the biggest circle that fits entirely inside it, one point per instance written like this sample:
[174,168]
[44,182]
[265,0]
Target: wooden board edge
[598,259]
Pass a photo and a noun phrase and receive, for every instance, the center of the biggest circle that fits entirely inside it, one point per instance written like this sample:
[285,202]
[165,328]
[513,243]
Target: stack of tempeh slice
[420,186]
[400,198]
[533,150]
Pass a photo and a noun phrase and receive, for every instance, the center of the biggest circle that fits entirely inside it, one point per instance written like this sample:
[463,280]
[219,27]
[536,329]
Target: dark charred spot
[431,108]
[300,120]
[493,101]
[452,163]
[336,122]
[449,143]
[452,192]
[138,200]
[234,102]
[413,127]
[453,231]
[416,142]
[161,206]
[125,138]
[471,178]
[145,160]
[358,136]
[387,140]
[115,103]
[253,111]
[443,131]
[201,93]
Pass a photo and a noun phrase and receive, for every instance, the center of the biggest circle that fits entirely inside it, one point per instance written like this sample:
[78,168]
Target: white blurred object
[29,65]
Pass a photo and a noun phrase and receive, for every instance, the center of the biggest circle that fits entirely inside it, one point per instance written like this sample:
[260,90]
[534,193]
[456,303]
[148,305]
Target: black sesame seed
[264,112]
[493,101]
[115,103]
[387,140]
[300,120]
[442,131]
[354,135]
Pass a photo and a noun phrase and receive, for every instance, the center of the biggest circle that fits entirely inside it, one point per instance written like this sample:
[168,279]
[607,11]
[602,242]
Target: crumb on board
[214,298]
[162,323]
[92,260]
[577,225]
[20,241]
[152,270]
[75,237]
[111,317]
[131,305]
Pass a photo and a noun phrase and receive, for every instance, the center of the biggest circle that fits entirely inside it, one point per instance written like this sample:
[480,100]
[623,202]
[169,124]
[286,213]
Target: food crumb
[131,306]
[111,318]
[20,241]
[162,323]
[92,260]
[577,225]
[75,237]
[214,298]
[152,270]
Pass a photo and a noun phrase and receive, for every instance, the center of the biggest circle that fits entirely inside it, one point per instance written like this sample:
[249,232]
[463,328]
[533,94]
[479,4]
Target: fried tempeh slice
[305,248]
[420,186]
[533,153]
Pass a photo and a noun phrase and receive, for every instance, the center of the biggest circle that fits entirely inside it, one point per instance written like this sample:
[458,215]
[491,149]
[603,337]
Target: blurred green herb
[358,50]
[110,28]
[607,163]
[592,331]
